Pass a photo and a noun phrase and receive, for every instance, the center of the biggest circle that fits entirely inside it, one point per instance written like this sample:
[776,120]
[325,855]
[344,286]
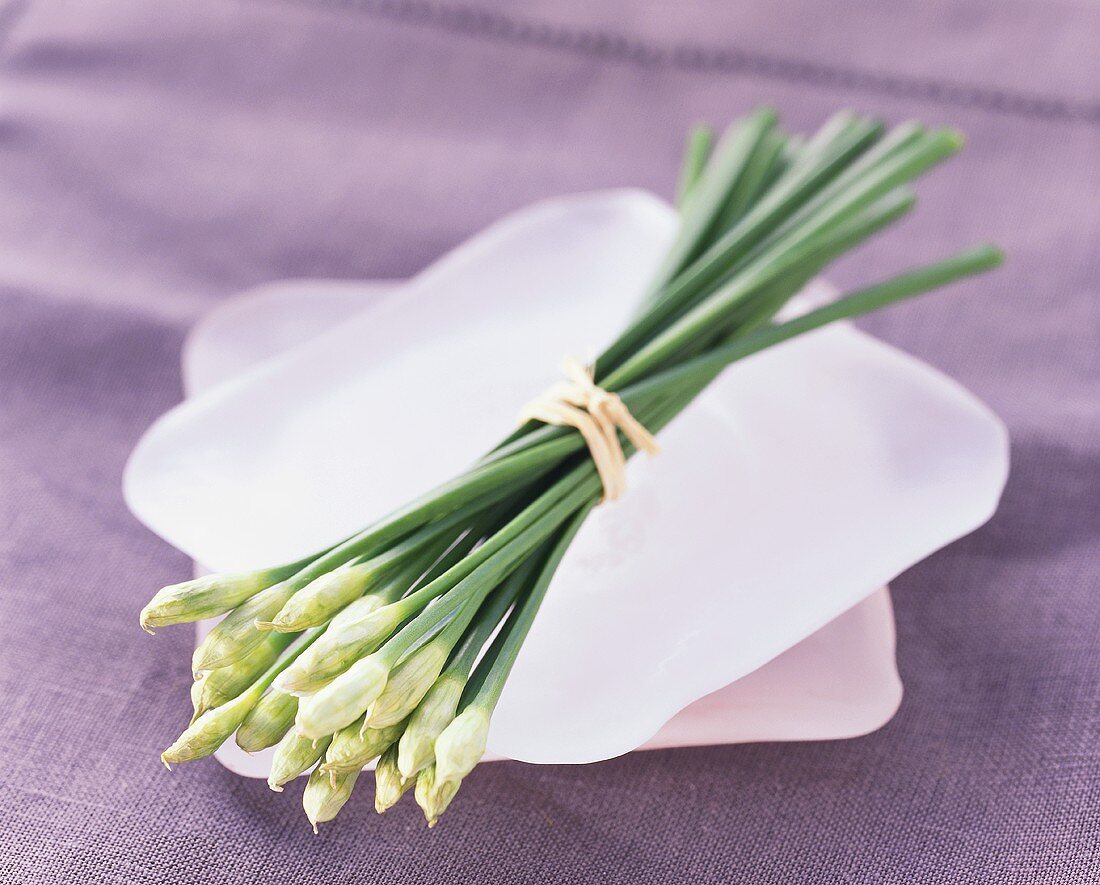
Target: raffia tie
[579,402]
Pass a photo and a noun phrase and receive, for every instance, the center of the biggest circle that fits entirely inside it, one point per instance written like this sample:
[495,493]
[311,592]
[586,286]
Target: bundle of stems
[386,646]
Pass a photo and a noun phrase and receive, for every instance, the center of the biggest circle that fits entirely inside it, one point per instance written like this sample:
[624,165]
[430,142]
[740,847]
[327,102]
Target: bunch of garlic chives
[440,704]
[461,743]
[359,628]
[399,614]
[348,695]
[244,627]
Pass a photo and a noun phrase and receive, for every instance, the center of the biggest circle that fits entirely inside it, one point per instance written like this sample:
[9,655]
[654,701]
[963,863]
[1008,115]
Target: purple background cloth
[155,158]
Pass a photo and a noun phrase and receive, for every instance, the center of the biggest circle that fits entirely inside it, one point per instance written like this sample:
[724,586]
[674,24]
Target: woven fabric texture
[156,158]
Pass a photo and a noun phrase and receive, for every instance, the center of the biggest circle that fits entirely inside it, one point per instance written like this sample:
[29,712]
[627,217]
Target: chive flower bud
[344,699]
[338,648]
[458,749]
[235,635]
[225,683]
[355,745]
[324,796]
[210,730]
[293,755]
[433,795]
[196,698]
[268,722]
[389,783]
[319,600]
[200,598]
[461,744]
[358,609]
[434,713]
[408,683]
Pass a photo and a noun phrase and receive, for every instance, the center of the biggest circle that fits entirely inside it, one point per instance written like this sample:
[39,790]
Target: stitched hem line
[606,45]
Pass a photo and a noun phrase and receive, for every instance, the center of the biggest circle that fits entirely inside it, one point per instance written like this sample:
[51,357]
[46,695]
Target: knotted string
[579,402]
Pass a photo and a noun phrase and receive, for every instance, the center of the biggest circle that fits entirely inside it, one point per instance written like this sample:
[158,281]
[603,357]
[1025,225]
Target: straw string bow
[598,415]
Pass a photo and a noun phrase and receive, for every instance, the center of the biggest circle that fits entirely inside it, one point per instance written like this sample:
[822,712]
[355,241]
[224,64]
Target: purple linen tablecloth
[155,158]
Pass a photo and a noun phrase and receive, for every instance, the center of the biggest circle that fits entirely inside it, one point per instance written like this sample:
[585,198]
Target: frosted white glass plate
[805,478]
[840,682]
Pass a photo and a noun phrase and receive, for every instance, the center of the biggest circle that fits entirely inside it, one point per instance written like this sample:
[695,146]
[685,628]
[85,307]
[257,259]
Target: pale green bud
[201,598]
[338,648]
[325,795]
[408,683]
[433,795]
[203,736]
[235,635]
[461,744]
[319,600]
[360,608]
[268,722]
[293,755]
[223,684]
[389,783]
[354,746]
[196,698]
[344,699]
[434,713]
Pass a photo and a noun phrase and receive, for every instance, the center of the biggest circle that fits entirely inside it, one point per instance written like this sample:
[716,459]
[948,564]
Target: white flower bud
[201,598]
[344,699]
[319,600]
[356,745]
[268,722]
[461,744]
[433,795]
[203,736]
[407,685]
[235,635]
[338,648]
[325,795]
[355,611]
[219,686]
[434,713]
[293,755]
[389,783]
